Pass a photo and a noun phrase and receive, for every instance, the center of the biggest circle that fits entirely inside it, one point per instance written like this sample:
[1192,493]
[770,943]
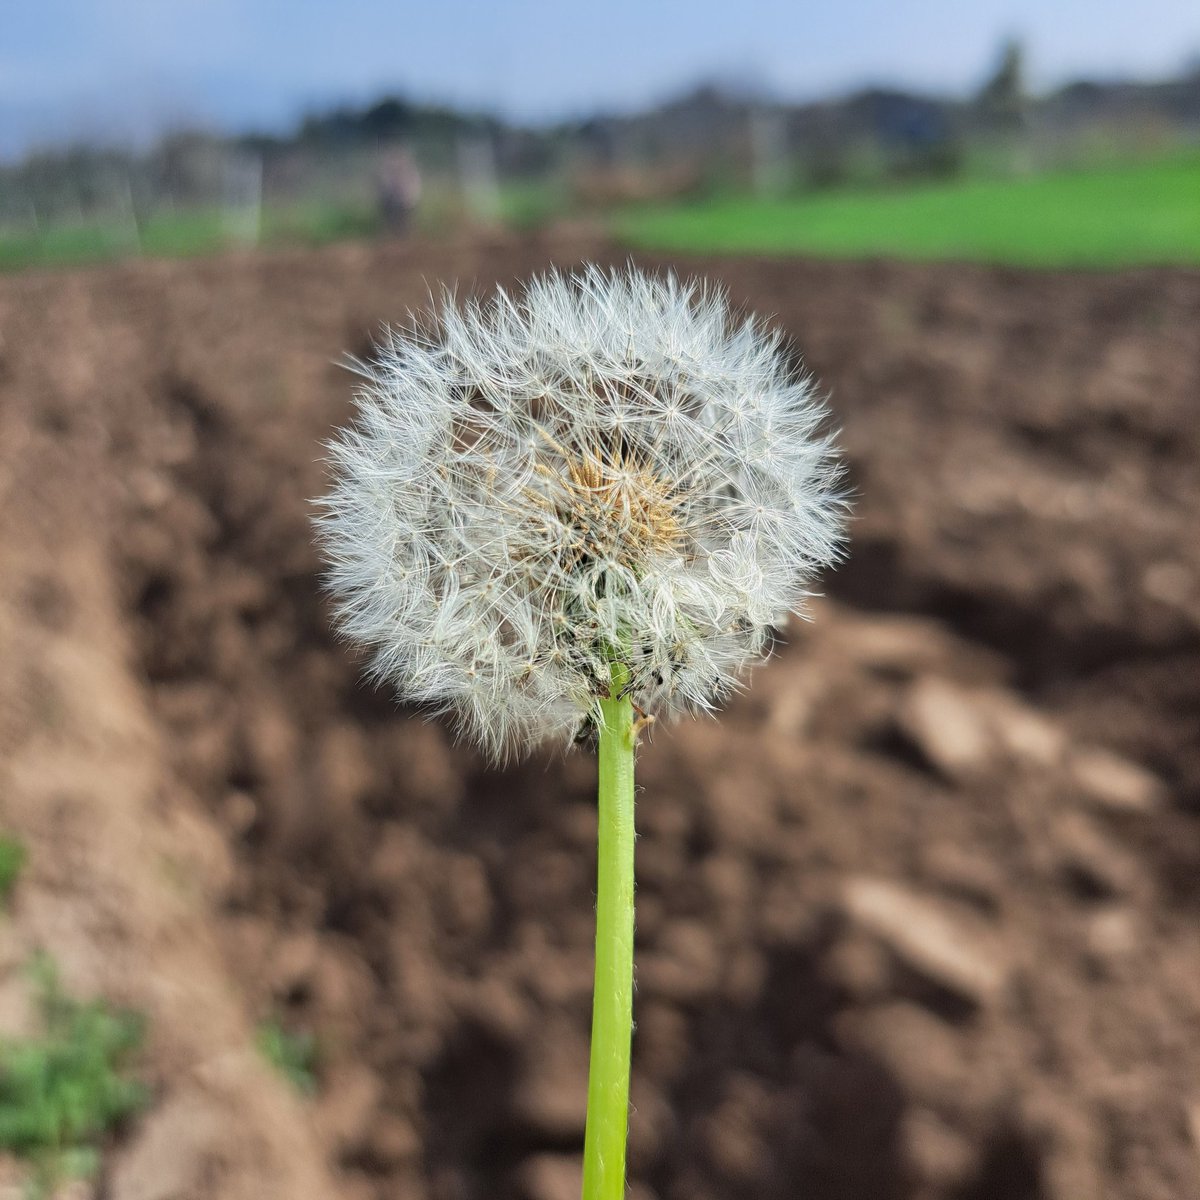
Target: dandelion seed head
[606,468]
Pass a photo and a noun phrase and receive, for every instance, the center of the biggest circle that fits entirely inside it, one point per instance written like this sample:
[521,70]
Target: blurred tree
[390,118]
[1003,100]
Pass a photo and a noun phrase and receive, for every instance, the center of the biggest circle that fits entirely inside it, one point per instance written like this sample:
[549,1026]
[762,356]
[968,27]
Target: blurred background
[916,916]
[1059,133]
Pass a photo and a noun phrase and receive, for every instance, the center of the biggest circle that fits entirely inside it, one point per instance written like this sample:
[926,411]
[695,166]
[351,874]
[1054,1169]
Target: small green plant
[12,859]
[63,1091]
[293,1055]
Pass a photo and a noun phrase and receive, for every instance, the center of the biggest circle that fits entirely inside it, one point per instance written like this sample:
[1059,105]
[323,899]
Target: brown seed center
[616,506]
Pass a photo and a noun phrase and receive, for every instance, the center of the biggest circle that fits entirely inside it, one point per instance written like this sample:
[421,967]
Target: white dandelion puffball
[608,469]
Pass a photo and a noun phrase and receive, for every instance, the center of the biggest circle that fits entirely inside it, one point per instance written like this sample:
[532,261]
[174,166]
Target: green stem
[612,1000]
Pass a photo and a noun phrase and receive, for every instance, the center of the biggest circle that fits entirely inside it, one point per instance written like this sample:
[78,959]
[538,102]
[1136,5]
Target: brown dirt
[917,916]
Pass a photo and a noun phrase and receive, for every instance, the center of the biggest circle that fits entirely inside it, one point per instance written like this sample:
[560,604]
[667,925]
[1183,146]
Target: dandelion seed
[606,468]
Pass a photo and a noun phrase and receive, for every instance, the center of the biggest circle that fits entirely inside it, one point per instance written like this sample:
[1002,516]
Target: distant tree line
[709,137]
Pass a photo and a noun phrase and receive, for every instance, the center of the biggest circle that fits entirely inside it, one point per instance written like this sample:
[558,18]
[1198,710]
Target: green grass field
[1110,217]
[188,232]
[1104,216]
[180,235]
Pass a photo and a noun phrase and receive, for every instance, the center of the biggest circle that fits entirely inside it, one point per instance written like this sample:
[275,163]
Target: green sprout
[64,1091]
[12,859]
[293,1055]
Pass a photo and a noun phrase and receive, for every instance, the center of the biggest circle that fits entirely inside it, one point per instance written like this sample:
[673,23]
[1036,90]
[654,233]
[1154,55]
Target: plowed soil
[918,916]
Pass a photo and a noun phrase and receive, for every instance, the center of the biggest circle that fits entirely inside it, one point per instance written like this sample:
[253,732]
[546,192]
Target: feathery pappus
[607,468]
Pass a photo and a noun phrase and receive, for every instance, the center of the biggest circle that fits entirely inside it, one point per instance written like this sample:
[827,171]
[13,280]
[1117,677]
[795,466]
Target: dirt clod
[926,938]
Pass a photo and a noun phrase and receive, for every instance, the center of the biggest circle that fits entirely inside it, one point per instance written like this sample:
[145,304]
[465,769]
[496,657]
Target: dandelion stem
[612,1001]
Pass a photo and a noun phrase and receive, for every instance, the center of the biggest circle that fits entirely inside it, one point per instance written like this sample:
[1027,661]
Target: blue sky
[127,68]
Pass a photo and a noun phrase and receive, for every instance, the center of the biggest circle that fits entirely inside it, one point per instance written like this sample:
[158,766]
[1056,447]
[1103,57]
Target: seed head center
[614,505]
